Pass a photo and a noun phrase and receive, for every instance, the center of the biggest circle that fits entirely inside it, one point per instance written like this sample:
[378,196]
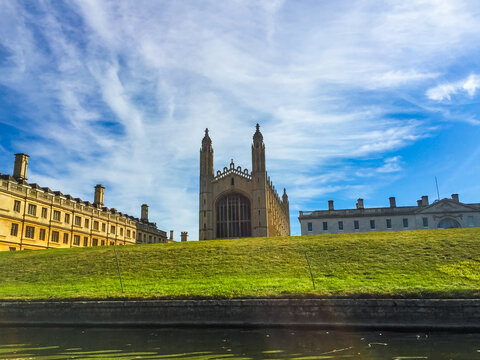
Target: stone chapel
[236,203]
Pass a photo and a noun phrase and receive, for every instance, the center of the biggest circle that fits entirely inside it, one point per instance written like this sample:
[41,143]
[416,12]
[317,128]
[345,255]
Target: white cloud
[445,91]
[391,165]
[472,84]
[398,78]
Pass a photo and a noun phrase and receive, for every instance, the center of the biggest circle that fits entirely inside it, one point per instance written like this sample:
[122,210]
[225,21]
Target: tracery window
[233,217]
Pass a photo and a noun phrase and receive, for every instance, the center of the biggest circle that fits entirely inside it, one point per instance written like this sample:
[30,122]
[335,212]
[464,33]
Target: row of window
[30,234]
[356,224]
[151,239]
[32,210]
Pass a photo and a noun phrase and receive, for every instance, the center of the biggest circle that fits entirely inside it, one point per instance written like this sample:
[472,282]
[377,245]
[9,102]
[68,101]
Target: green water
[181,343]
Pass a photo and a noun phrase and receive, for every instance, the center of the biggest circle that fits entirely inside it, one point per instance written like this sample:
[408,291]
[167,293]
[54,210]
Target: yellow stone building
[237,203]
[34,217]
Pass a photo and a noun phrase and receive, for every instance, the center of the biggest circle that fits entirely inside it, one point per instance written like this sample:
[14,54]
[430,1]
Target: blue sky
[355,99]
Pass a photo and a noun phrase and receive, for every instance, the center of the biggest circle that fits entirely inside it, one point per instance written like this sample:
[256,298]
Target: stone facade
[34,217]
[445,213]
[235,203]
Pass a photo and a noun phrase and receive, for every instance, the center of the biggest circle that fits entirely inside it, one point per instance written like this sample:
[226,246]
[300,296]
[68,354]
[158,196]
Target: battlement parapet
[232,170]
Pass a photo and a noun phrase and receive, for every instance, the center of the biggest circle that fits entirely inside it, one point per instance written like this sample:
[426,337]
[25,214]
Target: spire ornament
[206,142]
[258,137]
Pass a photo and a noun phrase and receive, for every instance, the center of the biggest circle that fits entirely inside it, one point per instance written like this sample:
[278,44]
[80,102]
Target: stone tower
[235,203]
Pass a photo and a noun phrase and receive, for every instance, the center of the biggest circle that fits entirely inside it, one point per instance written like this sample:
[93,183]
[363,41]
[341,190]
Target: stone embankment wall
[375,313]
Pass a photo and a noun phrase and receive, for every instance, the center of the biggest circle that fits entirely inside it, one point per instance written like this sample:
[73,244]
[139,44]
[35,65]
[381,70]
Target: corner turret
[206,196]
[258,152]
[206,157]
[259,188]
[286,208]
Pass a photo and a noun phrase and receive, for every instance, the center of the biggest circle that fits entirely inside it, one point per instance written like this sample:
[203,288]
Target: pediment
[446,206]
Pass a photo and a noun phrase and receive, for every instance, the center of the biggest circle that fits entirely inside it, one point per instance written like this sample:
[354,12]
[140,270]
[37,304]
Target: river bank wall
[367,313]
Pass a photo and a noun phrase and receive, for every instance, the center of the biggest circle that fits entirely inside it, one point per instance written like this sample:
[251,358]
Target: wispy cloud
[119,92]
[467,86]
[390,165]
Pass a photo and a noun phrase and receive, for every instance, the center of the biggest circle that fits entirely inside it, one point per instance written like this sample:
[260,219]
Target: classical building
[442,214]
[235,203]
[34,217]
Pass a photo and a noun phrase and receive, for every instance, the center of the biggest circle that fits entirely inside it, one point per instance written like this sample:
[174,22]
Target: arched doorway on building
[233,216]
[448,223]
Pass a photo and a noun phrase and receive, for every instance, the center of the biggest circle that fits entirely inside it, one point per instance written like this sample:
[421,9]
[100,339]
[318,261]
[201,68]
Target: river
[215,343]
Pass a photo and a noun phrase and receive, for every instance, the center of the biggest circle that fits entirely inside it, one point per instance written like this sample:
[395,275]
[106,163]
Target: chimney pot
[392,202]
[455,197]
[20,166]
[424,200]
[360,204]
[330,205]
[144,212]
[171,235]
[419,203]
[99,192]
[184,236]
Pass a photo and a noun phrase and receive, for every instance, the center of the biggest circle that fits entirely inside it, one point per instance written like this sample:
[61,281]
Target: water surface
[181,343]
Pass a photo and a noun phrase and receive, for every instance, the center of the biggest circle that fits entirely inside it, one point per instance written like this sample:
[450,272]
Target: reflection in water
[181,343]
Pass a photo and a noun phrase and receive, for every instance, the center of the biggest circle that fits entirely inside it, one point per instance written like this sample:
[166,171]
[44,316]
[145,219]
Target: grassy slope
[428,263]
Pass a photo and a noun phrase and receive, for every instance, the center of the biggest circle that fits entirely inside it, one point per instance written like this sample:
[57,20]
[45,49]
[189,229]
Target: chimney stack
[144,212]
[360,204]
[20,167]
[419,203]
[98,199]
[330,205]
[424,200]
[392,202]
[171,235]
[184,236]
[455,198]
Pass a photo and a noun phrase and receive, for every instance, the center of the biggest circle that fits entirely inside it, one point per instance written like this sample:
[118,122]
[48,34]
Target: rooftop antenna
[438,193]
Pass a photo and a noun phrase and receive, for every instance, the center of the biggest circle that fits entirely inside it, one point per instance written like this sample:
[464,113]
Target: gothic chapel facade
[235,203]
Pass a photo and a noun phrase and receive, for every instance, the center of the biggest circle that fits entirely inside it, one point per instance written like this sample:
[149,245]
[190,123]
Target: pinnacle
[258,135]
[206,142]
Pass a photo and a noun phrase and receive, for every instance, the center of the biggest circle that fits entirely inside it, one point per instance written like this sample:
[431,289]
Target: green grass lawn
[427,263]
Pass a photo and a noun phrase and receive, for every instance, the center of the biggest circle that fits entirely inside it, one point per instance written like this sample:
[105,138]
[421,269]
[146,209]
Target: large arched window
[233,217]
[448,224]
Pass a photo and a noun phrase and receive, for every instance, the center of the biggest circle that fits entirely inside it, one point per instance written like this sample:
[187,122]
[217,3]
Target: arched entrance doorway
[233,216]
[448,223]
